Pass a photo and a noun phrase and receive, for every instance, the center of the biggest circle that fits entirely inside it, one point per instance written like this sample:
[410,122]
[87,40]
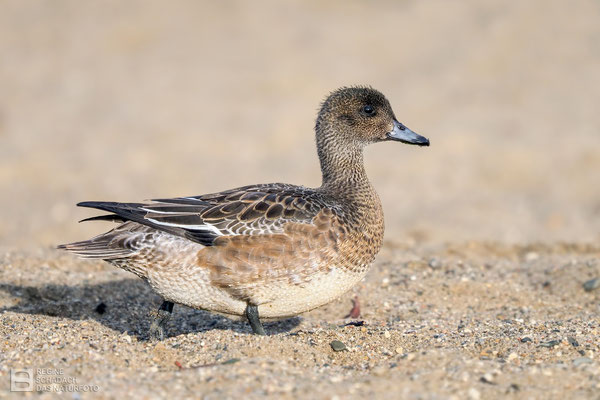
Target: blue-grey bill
[402,134]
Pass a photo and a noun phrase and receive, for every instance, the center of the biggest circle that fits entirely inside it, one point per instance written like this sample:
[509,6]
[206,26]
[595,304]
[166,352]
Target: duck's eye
[369,110]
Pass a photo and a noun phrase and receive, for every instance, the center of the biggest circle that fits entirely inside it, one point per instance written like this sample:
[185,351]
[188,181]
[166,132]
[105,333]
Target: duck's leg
[252,315]
[157,328]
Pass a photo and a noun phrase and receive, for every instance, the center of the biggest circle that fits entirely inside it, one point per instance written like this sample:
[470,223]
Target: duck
[265,251]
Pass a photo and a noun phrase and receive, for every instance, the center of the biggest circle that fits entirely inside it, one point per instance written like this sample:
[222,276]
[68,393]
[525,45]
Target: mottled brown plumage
[280,249]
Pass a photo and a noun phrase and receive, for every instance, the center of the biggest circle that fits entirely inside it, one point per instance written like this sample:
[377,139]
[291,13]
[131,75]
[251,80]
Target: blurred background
[111,100]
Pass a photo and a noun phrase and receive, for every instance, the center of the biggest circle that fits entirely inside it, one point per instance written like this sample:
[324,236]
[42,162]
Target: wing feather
[250,210]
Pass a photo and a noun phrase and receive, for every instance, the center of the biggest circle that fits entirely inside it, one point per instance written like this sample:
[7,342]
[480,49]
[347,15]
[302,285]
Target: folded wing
[250,210]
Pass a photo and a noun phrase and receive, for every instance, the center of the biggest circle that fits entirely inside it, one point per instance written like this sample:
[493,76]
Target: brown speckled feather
[244,263]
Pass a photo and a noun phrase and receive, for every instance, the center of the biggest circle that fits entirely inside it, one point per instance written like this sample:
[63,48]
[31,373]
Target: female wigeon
[274,250]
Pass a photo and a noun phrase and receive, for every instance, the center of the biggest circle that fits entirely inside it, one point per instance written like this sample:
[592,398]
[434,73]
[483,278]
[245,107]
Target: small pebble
[434,263]
[532,256]
[550,343]
[487,378]
[526,339]
[474,394]
[100,308]
[591,284]
[572,341]
[387,334]
[355,323]
[336,345]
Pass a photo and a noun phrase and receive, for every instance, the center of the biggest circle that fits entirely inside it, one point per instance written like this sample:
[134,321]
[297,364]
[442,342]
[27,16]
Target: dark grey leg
[157,328]
[252,315]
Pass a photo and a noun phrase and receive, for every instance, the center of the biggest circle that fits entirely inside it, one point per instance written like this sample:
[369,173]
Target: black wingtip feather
[109,217]
[124,211]
[91,204]
[107,205]
[135,212]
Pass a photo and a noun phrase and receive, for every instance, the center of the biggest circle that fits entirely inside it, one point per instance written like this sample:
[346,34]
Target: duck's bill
[405,135]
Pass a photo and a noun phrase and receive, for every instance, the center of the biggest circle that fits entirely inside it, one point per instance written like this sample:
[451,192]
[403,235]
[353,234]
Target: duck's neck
[342,167]
[345,179]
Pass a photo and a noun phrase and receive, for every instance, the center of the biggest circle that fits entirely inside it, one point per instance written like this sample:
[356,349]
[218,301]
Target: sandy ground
[472,321]
[491,233]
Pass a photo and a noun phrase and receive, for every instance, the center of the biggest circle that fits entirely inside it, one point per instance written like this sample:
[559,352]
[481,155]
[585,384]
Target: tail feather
[117,243]
[107,246]
[96,249]
[129,212]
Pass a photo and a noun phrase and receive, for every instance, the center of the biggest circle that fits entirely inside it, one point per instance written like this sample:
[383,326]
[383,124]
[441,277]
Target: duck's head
[359,116]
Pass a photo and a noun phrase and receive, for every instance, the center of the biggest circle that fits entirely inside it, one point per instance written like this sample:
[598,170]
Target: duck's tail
[117,243]
[100,247]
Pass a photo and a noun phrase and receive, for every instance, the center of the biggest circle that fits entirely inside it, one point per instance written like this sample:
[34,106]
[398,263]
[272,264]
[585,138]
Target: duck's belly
[191,286]
[285,300]
[289,300]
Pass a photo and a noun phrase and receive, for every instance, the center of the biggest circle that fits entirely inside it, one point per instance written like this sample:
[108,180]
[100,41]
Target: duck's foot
[159,324]
[252,315]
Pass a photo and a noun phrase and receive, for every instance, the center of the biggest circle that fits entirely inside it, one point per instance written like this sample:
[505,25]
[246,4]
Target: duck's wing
[250,210]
